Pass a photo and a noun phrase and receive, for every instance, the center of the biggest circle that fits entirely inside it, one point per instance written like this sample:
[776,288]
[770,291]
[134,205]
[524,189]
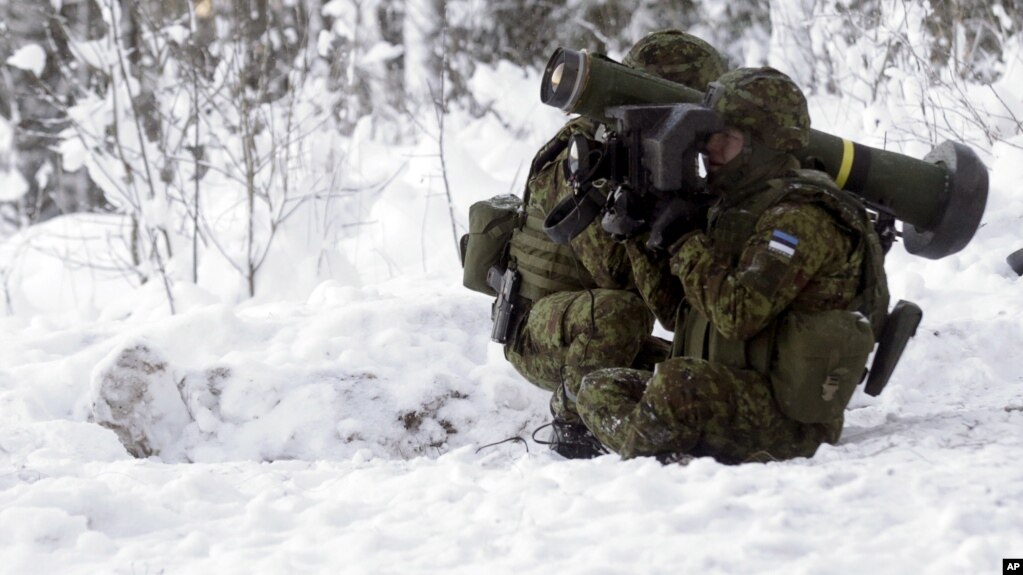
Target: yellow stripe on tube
[847,162]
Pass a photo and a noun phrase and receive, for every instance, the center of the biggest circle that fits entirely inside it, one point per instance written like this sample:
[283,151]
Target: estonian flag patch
[783,243]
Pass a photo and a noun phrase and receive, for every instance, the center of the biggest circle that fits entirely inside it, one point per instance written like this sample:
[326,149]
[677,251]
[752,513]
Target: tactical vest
[807,338]
[505,232]
[544,266]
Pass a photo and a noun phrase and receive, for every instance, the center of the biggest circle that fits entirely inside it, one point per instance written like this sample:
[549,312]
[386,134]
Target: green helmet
[678,57]
[765,103]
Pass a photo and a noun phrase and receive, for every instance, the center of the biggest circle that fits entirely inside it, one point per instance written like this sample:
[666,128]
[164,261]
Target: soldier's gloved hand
[626,214]
[677,217]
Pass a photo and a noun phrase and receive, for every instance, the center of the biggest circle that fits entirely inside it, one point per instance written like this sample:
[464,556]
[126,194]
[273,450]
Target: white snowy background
[335,424]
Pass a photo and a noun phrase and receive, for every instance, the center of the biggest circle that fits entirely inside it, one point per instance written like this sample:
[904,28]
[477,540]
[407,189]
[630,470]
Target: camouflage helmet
[765,103]
[678,57]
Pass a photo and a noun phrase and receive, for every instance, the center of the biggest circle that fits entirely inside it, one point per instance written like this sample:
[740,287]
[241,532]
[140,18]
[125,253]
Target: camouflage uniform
[584,312]
[773,244]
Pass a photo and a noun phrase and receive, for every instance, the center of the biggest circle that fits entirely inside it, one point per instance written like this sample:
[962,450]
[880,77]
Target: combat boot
[574,441]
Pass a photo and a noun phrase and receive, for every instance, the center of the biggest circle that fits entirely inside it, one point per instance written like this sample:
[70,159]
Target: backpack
[820,357]
[491,223]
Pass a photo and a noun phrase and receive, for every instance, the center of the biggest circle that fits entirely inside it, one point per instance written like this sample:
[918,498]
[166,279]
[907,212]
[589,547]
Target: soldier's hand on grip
[677,217]
[627,214]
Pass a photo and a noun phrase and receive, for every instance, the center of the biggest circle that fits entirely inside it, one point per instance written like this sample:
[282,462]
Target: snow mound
[349,371]
[135,395]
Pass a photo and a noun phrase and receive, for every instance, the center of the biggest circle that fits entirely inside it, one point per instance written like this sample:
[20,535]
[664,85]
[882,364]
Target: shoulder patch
[783,243]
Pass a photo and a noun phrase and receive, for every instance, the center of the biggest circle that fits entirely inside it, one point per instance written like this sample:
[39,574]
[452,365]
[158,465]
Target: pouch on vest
[819,361]
[491,223]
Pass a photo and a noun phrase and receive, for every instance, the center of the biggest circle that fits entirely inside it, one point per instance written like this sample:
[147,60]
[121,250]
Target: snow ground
[341,432]
[926,478]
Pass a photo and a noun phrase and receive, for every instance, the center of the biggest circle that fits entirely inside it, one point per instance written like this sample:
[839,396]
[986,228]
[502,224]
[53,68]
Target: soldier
[784,290]
[583,310]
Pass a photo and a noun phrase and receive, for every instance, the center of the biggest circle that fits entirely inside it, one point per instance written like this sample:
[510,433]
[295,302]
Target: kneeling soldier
[582,309]
[784,293]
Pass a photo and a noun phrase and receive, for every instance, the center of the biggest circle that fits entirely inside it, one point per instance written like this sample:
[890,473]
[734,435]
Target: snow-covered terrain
[346,429]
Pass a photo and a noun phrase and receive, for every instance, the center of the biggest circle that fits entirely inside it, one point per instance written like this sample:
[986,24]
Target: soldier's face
[721,148]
